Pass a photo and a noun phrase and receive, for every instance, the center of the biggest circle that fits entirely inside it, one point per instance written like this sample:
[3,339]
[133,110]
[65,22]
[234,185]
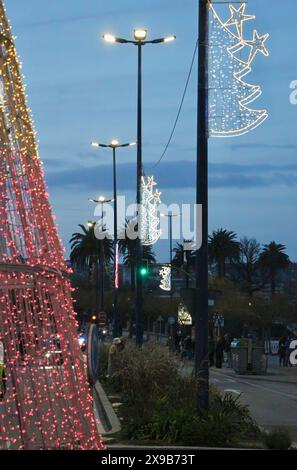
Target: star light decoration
[149,216]
[165,274]
[229,95]
[47,404]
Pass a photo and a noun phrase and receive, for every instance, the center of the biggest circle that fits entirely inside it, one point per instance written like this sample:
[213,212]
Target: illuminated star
[150,182]
[238,17]
[257,45]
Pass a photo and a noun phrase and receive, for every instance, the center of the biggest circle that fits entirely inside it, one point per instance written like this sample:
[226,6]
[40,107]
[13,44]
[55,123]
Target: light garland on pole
[165,274]
[149,217]
[229,95]
[183,315]
[47,404]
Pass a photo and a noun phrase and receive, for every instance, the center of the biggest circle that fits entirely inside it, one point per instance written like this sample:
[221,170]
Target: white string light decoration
[229,94]
[165,274]
[183,315]
[149,217]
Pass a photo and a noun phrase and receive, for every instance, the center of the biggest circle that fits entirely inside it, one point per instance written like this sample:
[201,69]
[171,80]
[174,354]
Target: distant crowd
[219,349]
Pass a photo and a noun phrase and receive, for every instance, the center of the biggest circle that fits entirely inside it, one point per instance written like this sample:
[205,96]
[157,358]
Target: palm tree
[127,247]
[247,266]
[223,247]
[86,249]
[183,258]
[272,259]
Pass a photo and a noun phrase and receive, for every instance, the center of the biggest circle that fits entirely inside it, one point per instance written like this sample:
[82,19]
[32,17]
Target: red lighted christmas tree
[47,403]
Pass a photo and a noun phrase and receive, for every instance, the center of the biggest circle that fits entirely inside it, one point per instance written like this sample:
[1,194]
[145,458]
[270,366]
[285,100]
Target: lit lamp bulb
[170,38]
[109,38]
[114,143]
[140,34]
[101,199]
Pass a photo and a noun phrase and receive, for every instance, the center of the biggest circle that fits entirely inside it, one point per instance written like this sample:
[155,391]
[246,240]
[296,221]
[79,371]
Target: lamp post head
[109,38]
[90,224]
[114,143]
[102,199]
[95,144]
[170,38]
[140,34]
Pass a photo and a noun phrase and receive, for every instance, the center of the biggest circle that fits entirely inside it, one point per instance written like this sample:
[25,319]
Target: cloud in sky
[221,175]
[81,89]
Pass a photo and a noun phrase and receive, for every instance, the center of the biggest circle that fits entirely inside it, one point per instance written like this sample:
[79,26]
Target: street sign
[93,347]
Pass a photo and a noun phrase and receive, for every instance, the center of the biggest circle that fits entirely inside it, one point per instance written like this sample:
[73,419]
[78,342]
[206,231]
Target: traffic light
[144,268]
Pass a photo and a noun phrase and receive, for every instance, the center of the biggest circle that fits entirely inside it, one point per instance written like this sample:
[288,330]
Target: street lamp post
[170,216]
[114,145]
[102,201]
[140,40]
[91,226]
[201,304]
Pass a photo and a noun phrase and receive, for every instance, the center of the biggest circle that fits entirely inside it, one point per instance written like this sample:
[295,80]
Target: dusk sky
[81,89]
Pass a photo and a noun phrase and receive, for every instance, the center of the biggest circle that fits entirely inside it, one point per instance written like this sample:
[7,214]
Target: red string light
[47,404]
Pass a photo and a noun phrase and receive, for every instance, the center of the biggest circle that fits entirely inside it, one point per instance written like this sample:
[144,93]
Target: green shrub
[159,403]
[278,438]
[144,375]
[103,363]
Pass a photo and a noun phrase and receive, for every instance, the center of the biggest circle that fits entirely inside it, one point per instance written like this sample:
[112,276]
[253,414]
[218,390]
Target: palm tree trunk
[221,268]
[273,283]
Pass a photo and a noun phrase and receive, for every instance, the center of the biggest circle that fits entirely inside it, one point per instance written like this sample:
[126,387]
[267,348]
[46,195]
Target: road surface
[272,399]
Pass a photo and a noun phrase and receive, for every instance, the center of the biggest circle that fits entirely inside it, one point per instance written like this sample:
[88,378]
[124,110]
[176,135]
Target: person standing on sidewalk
[115,348]
[228,341]
[288,351]
[219,353]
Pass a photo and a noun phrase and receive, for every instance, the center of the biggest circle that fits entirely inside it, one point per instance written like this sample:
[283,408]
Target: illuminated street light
[140,34]
[114,145]
[140,40]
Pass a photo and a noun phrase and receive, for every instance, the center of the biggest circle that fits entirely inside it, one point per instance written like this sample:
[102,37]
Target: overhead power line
[180,108]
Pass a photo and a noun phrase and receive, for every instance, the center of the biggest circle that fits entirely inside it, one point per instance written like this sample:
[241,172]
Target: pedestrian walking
[282,352]
[219,353]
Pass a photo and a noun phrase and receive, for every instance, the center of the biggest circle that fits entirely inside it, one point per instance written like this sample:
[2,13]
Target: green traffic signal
[143,271]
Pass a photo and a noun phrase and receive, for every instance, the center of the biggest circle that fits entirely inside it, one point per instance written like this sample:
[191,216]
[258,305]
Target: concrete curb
[109,420]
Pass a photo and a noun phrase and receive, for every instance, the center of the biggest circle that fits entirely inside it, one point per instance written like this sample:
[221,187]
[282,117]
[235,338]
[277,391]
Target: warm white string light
[229,94]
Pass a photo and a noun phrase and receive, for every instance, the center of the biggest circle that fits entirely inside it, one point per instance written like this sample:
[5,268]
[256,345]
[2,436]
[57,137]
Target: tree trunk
[221,268]
[273,283]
